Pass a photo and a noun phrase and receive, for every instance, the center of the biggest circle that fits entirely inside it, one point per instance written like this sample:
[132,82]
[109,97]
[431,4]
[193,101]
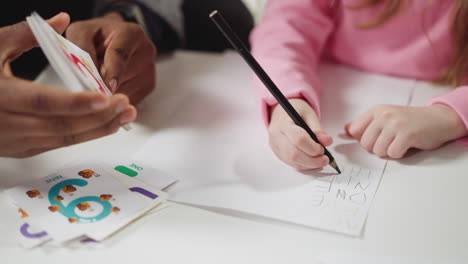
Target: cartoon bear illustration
[58,198]
[54,208]
[33,193]
[105,197]
[72,220]
[69,189]
[83,206]
[23,213]
[115,209]
[86,173]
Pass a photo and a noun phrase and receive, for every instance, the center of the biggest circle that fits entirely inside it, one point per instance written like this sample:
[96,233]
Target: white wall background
[256,7]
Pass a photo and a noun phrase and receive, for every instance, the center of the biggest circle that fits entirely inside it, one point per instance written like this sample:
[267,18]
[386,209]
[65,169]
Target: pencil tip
[335,166]
[213,13]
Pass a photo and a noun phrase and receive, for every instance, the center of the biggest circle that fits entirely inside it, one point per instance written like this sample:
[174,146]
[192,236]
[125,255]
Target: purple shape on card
[89,240]
[144,192]
[25,232]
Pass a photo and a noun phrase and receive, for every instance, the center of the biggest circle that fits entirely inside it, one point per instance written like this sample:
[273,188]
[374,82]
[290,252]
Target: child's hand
[389,131]
[292,144]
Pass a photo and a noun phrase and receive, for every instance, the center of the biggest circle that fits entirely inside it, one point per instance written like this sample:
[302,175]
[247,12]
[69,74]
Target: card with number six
[77,201]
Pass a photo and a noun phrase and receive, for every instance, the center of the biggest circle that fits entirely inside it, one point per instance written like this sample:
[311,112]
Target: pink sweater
[295,34]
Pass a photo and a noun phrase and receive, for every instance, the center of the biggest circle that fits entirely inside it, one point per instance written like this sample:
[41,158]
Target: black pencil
[232,37]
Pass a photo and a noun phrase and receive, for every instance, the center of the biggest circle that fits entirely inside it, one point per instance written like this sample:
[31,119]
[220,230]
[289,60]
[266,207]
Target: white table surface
[419,214]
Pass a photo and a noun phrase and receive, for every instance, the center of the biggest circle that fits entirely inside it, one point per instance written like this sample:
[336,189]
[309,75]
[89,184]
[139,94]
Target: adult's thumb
[18,38]
[59,22]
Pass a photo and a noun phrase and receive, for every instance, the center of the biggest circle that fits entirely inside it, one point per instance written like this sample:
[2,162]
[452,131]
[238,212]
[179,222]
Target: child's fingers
[383,143]
[356,128]
[346,129]
[398,147]
[301,161]
[370,135]
[312,121]
[293,156]
[292,144]
[301,140]
[297,166]
[324,138]
[314,124]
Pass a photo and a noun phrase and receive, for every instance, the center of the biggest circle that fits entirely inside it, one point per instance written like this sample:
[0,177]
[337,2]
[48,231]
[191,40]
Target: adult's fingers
[28,125]
[85,35]
[18,38]
[117,56]
[141,61]
[35,145]
[23,96]
[109,128]
[59,22]
[139,87]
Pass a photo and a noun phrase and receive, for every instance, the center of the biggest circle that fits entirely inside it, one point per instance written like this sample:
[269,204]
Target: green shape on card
[126,171]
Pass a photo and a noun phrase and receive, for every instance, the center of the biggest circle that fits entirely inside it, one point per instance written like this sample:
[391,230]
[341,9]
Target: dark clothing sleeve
[195,31]
[158,29]
[185,24]
[202,34]
[30,64]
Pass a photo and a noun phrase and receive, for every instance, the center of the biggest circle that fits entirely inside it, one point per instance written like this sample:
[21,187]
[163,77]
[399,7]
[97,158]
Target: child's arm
[288,43]
[457,100]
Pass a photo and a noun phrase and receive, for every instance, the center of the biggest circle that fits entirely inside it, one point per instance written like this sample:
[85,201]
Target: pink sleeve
[458,101]
[288,44]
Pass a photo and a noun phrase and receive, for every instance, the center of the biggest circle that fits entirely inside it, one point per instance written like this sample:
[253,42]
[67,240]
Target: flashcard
[83,66]
[151,195]
[27,235]
[134,169]
[139,171]
[154,197]
[73,65]
[81,200]
[30,236]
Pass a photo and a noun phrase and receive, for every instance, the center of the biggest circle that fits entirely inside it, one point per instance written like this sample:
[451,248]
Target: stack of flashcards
[73,65]
[86,202]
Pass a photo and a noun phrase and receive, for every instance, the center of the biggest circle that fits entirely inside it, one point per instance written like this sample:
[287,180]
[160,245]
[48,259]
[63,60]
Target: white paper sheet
[215,142]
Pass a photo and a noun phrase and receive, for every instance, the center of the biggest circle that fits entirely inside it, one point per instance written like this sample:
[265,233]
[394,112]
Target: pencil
[232,37]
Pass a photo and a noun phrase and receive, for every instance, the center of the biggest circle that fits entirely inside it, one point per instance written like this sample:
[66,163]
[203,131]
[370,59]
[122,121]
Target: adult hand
[36,118]
[122,52]
[389,131]
[292,144]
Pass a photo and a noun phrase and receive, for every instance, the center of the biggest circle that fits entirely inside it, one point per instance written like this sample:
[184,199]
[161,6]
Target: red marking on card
[80,65]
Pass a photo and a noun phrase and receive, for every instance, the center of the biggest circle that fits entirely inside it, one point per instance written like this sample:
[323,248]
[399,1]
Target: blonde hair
[456,73]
